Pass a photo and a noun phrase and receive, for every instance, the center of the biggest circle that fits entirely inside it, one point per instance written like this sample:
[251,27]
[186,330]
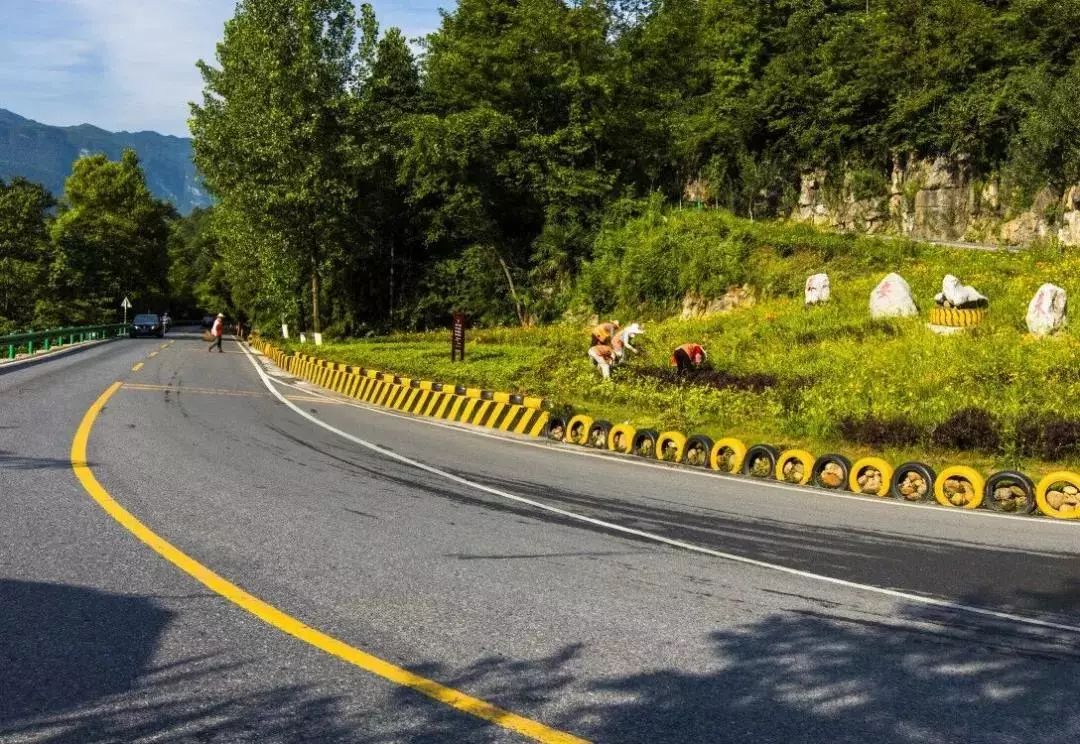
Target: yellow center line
[285,622]
[137,367]
[152,354]
[165,345]
[217,391]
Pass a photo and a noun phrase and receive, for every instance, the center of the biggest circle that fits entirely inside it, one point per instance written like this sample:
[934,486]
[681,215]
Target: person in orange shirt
[604,332]
[688,356]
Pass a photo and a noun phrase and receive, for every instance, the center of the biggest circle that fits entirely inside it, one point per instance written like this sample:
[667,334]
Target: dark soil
[877,432]
[969,429]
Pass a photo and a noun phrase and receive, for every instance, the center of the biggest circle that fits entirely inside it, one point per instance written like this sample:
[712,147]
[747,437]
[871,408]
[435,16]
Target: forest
[366,182]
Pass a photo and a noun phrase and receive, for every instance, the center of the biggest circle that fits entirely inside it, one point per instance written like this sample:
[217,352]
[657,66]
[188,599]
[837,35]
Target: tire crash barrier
[831,471]
[960,486]
[913,481]
[670,446]
[794,466]
[727,455]
[760,461]
[698,450]
[1010,491]
[954,317]
[1057,495]
[422,397]
[621,438]
[577,429]
[870,476]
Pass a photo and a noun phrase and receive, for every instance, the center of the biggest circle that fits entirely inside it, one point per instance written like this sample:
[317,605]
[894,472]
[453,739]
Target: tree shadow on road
[77,665]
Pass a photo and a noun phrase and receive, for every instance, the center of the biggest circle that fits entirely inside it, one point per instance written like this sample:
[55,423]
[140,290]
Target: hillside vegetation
[825,378]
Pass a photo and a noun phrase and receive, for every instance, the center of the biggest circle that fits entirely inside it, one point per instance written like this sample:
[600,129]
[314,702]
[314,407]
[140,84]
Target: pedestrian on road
[687,357]
[603,356]
[216,331]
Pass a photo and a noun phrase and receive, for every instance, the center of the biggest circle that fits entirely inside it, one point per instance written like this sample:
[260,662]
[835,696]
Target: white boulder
[1047,310]
[892,299]
[957,294]
[817,289]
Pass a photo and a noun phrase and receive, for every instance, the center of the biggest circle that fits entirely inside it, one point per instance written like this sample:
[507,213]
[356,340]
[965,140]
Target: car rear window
[146,319]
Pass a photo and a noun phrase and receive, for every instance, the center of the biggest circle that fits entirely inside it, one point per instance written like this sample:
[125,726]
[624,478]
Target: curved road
[804,617]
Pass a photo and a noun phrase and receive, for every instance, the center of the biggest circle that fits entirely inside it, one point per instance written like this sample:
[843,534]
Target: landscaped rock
[794,471]
[832,475]
[869,481]
[914,487]
[958,491]
[892,299]
[1055,499]
[817,289]
[1010,498]
[955,294]
[1046,312]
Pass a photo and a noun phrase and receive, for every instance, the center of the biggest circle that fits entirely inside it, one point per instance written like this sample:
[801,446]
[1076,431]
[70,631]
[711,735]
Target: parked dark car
[208,321]
[147,324]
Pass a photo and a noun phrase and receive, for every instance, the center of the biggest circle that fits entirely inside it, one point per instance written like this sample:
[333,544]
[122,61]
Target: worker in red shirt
[602,356]
[688,356]
[216,331]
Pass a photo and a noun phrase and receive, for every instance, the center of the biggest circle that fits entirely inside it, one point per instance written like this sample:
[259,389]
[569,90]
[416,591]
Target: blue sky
[129,64]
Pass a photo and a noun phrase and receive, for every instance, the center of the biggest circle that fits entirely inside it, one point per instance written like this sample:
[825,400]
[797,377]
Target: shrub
[876,432]
[969,429]
[1048,437]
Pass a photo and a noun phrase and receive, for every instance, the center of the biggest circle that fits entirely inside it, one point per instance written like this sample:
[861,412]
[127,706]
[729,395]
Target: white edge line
[893,593]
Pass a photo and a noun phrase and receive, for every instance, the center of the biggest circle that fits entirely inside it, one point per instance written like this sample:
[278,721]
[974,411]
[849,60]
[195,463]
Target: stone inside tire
[555,429]
[1022,497]
[842,463]
[577,429]
[644,443]
[757,458]
[900,479]
[598,435]
[698,449]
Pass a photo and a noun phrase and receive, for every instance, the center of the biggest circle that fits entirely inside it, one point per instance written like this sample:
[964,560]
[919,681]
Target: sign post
[126,304]
[457,338]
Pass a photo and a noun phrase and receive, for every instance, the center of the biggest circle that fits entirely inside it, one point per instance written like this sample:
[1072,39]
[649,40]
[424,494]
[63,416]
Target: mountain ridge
[44,153]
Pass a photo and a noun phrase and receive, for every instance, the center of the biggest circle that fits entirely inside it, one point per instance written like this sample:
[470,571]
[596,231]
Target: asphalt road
[606,635]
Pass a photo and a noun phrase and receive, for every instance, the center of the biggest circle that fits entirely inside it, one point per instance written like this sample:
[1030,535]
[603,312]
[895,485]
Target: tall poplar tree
[269,136]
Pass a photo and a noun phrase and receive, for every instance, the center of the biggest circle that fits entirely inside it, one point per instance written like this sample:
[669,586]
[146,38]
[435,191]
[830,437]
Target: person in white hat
[216,331]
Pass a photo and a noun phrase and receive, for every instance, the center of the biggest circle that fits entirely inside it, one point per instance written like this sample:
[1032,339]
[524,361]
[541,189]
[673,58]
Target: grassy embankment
[791,375]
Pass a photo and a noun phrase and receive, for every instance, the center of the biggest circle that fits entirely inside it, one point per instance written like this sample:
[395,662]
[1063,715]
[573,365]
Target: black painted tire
[1016,479]
[831,459]
[555,429]
[698,450]
[759,452]
[900,475]
[598,435]
[645,443]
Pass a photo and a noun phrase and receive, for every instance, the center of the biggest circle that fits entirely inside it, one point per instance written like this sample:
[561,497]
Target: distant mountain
[44,154]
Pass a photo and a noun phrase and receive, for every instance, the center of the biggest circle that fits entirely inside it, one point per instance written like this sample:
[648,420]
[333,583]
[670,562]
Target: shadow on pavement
[76,665]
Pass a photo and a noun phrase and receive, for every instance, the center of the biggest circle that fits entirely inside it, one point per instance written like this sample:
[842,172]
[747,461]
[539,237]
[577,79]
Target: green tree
[24,250]
[110,239]
[270,135]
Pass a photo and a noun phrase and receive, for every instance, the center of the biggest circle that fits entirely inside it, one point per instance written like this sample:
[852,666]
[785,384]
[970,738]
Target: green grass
[828,362]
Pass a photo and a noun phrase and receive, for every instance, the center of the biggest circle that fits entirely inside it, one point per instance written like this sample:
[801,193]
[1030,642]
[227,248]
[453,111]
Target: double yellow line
[283,621]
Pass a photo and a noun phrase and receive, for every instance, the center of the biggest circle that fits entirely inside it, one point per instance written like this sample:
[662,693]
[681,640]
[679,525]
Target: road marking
[152,354]
[893,593]
[282,621]
[218,391]
[137,367]
[166,344]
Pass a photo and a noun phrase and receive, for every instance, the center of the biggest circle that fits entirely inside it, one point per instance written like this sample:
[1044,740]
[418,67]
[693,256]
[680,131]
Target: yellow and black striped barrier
[955,317]
[500,411]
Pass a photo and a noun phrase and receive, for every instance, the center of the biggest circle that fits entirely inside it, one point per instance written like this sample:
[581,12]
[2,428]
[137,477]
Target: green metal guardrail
[44,340]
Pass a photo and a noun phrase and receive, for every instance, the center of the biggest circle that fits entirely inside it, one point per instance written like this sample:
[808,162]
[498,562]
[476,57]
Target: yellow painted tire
[955,317]
[624,431]
[1061,476]
[583,424]
[738,453]
[963,472]
[802,457]
[675,439]
[876,463]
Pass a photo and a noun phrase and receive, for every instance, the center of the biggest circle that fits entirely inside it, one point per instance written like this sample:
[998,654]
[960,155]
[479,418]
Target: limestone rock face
[696,306]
